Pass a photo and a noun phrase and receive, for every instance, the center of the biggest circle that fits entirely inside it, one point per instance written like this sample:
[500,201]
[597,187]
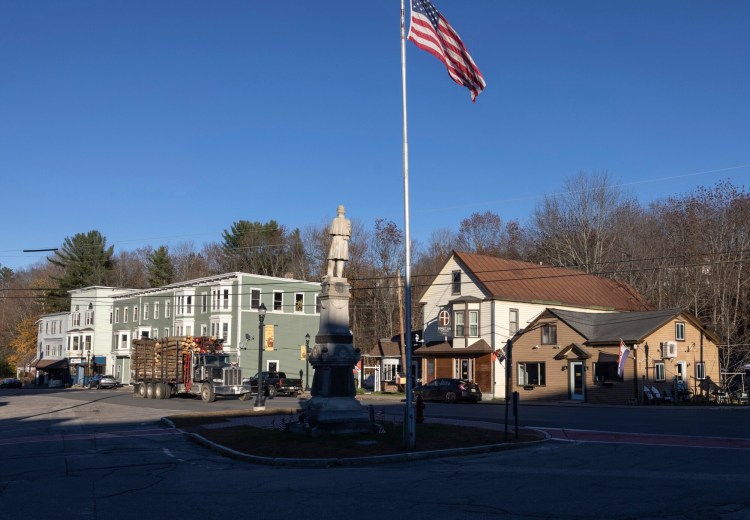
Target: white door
[577,386]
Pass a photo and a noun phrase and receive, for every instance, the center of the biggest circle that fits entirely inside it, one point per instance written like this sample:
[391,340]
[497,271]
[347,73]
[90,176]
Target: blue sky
[160,121]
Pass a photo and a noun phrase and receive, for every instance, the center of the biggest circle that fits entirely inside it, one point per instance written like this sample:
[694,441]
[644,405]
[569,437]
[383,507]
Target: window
[167,310]
[90,315]
[204,330]
[166,332]
[679,331]
[190,305]
[188,330]
[605,371]
[204,303]
[700,370]
[473,324]
[317,304]
[123,341]
[513,322]
[226,298]
[531,374]
[110,319]
[456,282]
[145,311]
[125,314]
[75,342]
[659,372]
[549,334]
[277,300]
[299,302]
[87,342]
[225,332]
[458,318]
[135,313]
[254,298]
[155,333]
[156,310]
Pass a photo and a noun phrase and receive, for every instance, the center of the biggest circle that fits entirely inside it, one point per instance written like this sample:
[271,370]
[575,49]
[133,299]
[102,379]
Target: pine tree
[85,260]
[160,268]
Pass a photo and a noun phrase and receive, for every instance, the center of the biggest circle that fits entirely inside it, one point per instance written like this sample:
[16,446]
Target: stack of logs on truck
[184,366]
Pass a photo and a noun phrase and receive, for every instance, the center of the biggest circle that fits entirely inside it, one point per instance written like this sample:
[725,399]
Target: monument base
[335,416]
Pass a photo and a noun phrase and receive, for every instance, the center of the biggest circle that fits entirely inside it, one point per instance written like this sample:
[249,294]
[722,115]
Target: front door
[577,388]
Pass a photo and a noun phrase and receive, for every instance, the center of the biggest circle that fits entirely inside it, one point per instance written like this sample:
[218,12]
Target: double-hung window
[660,373]
[458,318]
[679,331]
[278,300]
[513,322]
[549,334]
[254,298]
[473,324]
[456,282]
[700,370]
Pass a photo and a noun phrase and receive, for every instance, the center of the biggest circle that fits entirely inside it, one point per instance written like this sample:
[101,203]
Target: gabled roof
[514,280]
[631,327]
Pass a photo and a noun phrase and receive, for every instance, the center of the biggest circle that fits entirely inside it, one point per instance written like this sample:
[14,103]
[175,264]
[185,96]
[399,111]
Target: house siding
[635,375]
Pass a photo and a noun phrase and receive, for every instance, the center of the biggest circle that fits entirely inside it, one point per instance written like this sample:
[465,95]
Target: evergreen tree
[84,260]
[160,268]
[260,248]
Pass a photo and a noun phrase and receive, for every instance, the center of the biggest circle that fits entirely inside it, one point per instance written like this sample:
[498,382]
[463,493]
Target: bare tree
[576,227]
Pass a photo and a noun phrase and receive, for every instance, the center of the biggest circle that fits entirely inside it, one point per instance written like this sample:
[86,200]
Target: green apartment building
[223,306]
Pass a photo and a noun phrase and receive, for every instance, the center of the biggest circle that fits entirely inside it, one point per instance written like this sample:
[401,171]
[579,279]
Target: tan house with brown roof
[477,302]
[568,355]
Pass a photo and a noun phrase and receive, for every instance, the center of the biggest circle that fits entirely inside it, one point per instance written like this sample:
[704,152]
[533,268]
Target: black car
[11,382]
[449,390]
[102,381]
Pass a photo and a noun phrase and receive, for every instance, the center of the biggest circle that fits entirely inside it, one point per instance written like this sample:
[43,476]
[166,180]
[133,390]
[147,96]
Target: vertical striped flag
[622,357]
[431,32]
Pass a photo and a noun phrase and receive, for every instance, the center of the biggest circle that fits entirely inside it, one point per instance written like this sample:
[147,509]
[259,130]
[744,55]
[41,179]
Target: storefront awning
[100,360]
[51,364]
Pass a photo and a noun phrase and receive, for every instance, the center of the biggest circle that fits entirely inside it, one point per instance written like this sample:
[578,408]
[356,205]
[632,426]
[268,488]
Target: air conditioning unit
[669,350]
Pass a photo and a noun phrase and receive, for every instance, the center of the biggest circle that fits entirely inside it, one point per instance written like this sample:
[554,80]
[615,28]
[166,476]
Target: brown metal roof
[515,280]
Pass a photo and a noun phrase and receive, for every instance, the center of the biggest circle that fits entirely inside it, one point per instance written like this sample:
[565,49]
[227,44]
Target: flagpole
[409,420]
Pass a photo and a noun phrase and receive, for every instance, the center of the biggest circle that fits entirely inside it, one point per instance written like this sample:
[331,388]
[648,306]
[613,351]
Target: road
[104,455]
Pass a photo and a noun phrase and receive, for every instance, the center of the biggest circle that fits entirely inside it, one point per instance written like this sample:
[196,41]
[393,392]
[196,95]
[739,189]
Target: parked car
[11,382]
[449,390]
[102,381]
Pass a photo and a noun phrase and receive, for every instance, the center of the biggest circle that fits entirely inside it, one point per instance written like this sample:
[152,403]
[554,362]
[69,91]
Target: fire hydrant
[420,409]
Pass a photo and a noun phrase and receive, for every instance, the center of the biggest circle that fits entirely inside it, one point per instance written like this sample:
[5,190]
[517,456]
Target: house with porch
[476,303]
[571,355]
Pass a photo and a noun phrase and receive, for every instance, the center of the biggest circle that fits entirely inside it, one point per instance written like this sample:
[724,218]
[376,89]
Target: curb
[354,461]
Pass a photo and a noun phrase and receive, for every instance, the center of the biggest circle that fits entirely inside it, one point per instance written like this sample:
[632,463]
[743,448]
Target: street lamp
[261,319]
[307,362]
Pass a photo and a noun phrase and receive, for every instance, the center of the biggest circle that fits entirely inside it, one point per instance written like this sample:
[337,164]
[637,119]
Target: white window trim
[273,303]
[660,372]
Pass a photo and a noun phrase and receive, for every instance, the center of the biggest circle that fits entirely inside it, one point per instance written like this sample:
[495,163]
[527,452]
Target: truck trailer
[184,365]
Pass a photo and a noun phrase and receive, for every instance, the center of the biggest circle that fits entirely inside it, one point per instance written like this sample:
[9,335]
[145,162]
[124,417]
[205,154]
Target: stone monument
[332,407]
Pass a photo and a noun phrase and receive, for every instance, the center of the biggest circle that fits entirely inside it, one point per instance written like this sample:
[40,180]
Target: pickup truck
[276,383]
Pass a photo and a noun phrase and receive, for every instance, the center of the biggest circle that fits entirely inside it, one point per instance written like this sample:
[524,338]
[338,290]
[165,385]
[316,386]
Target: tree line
[687,251]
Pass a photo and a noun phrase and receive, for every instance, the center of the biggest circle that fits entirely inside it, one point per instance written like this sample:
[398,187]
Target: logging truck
[184,366]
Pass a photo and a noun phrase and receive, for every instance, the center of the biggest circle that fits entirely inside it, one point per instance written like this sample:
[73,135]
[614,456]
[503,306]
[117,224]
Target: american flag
[431,32]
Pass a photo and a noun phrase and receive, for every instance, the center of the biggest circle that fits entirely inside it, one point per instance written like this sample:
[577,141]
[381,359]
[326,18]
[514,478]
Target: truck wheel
[207,393]
[245,397]
[136,387]
[142,390]
[271,392]
[159,390]
[150,390]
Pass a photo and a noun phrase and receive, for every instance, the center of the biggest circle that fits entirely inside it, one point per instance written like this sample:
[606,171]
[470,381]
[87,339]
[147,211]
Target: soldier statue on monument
[338,254]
